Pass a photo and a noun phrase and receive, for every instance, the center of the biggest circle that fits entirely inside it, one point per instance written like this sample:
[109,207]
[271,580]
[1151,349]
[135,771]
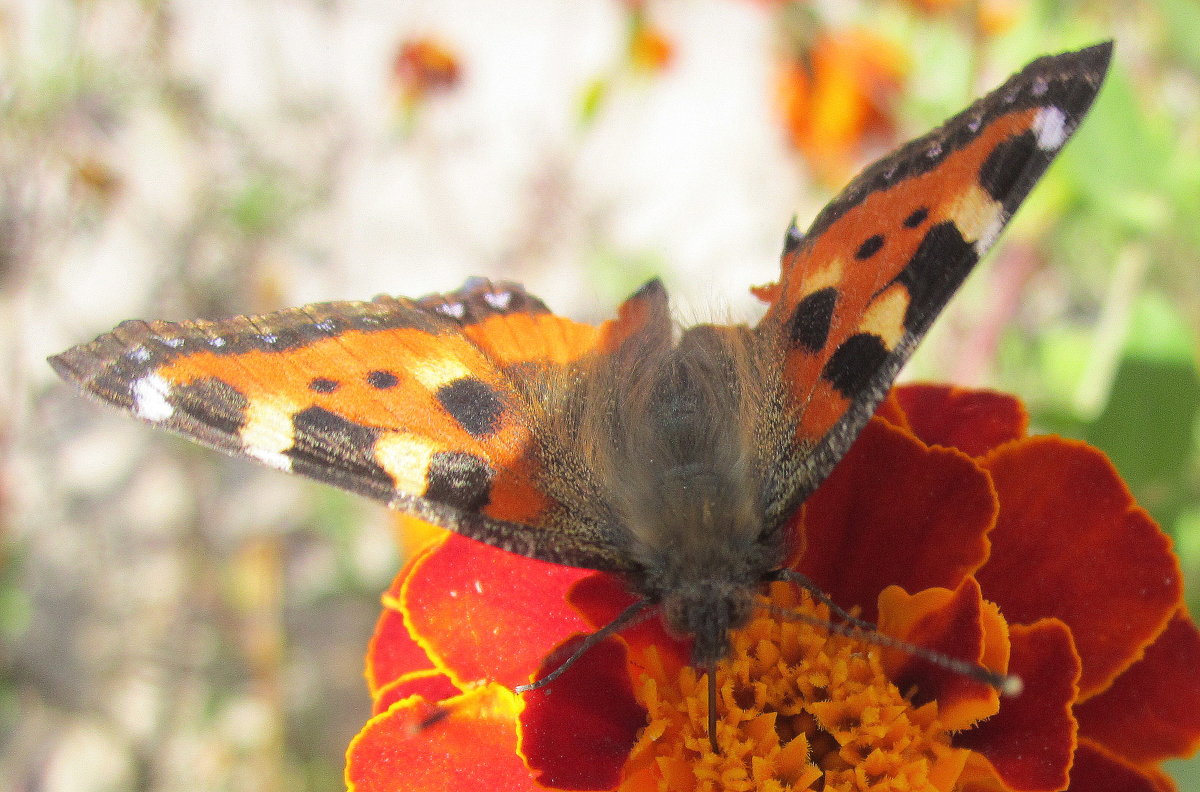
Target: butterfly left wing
[861,288]
[411,403]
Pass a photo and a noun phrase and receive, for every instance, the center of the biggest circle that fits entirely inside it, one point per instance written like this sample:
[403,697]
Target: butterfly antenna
[1004,684]
[635,613]
[806,583]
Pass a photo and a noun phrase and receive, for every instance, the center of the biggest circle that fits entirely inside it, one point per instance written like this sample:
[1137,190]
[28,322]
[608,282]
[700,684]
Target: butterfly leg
[712,708]
[632,615]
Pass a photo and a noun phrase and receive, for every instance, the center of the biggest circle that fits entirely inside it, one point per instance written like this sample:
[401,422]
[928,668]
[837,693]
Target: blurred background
[171,619]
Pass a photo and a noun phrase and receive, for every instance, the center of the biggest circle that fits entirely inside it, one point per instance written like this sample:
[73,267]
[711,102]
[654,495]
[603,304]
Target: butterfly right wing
[861,288]
[412,403]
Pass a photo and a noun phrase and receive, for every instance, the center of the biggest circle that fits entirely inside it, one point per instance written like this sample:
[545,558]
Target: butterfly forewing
[861,288]
[409,403]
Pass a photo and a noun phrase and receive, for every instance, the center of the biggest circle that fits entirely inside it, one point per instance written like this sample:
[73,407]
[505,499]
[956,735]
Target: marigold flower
[945,524]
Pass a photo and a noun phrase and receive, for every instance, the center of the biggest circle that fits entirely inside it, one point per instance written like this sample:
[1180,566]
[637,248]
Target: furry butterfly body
[674,460]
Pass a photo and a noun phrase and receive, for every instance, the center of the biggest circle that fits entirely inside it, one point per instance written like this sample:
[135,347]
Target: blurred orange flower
[945,524]
[992,17]
[423,66]
[650,50]
[837,96]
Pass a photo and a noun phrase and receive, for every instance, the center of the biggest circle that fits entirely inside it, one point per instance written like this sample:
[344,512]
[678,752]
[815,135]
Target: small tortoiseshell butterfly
[672,460]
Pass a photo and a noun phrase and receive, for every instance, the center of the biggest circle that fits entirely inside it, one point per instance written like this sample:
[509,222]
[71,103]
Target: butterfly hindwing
[859,290]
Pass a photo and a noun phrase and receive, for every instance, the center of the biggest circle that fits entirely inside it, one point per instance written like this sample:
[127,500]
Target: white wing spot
[498,300]
[325,326]
[269,338]
[269,433]
[436,372]
[150,398]
[216,342]
[406,458]
[174,343]
[138,354]
[455,310]
[1050,126]
[271,458]
[885,316]
[979,217]
[988,234]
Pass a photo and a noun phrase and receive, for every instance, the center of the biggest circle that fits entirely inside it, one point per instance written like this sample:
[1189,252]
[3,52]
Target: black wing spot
[869,247]
[458,479]
[330,448]
[854,363]
[937,268]
[916,218]
[323,385]
[382,380]
[474,404]
[811,319]
[318,428]
[212,402]
[1003,172]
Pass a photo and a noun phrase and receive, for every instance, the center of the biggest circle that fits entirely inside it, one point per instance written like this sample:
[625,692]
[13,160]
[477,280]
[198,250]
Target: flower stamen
[799,708]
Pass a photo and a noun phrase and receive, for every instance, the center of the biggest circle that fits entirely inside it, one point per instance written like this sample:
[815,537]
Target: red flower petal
[486,614]
[973,421]
[392,652]
[891,410]
[473,746]
[896,511]
[1152,711]
[1029,743]
[576,733]
[953,623]
[1098,770]
[1070,542]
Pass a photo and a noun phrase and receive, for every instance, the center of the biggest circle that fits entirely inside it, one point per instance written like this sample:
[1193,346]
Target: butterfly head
[707,611]
[704,558]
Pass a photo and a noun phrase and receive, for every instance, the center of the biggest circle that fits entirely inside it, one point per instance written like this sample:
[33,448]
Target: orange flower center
[797,709]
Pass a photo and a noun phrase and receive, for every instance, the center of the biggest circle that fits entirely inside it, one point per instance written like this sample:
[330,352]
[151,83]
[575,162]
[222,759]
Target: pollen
[798,709]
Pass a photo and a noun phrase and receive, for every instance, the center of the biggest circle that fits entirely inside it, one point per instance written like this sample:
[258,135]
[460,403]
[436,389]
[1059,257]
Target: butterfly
[672,459]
